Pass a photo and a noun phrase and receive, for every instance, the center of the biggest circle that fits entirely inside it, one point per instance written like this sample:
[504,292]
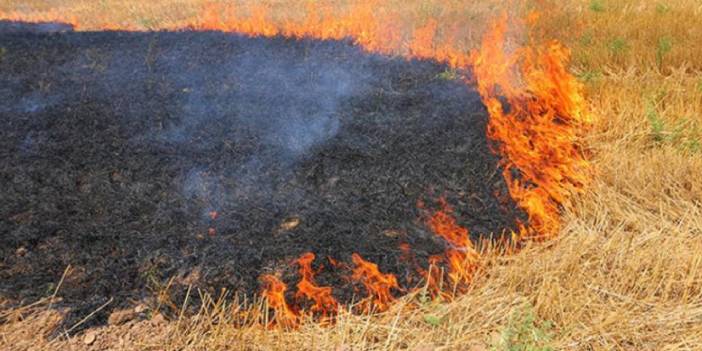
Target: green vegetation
[662,8]
[449,74]
[665,44]
[525,333]
[684,135]
[618,46]
[597,6]
[590,76]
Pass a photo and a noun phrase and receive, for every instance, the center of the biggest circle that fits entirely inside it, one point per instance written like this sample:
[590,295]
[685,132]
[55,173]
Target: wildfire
[378,285]
[461,257]
[536,130]
[324,302]
[274,293]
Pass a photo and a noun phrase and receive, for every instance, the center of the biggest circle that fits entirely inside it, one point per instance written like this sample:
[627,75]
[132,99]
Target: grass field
[625,271]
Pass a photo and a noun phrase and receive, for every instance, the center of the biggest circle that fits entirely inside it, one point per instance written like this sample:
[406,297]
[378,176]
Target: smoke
[233,117]
[42,27]
[269,102]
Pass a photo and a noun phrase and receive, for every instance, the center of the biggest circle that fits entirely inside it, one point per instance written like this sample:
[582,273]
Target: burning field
[283,174]
[220,158]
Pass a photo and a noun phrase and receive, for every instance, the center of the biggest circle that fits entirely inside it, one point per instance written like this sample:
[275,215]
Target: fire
[462,258]
[274,293]
[538,130]
[324,302]
[378,285]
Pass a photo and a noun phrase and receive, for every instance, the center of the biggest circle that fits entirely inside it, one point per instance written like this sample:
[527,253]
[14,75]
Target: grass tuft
[525,333]
[597,6]
[665,44]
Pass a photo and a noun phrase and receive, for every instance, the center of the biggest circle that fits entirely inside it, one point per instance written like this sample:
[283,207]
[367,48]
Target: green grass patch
[618,46]
[665,44]
[586,39]
[597,6]
[524,332]
[662,8]
[449,74]
[684,135]
[590,76]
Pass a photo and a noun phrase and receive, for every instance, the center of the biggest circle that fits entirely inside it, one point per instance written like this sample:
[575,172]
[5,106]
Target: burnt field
[213,158]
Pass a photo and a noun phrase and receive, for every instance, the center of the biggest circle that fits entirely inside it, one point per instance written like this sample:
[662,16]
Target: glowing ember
[324,302]
[377,284]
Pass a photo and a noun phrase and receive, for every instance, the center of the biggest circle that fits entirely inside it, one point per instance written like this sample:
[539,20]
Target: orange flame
[324,302]
[462,258]
[274,293]
[538,131]
[377,284]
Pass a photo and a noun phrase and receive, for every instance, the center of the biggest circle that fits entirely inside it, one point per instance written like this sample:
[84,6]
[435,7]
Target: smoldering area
[136,158]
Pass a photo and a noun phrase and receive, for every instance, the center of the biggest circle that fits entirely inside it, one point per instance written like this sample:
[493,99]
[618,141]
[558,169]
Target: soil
[212,158]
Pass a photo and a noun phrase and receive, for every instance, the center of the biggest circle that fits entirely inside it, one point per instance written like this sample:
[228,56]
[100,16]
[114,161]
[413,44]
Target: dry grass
[626,271]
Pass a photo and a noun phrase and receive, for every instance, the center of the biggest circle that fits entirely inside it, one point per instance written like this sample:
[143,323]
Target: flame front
[536,132]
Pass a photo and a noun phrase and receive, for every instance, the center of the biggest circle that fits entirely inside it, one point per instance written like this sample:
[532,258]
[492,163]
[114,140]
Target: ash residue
[118,147]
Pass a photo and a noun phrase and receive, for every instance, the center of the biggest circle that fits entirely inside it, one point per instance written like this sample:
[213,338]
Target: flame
[274,293]
[324,302]
[378,285]
[461,257]
[538,130]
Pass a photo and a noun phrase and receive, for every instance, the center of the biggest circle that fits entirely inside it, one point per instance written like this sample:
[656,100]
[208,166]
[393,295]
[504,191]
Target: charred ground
[117,147]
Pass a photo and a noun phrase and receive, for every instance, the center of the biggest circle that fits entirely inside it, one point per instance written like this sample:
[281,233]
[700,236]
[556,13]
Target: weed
[665,44]
[618,46]
[693,146]
[586,39]
[597,6]
[662,8]
[699,85]
[685,135]
[524,333]
[3,51]
[590,76]
[432,320]
[449,74]
[149,23]
[657,124]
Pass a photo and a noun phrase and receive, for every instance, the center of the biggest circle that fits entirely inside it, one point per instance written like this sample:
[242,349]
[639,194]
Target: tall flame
[538,130]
